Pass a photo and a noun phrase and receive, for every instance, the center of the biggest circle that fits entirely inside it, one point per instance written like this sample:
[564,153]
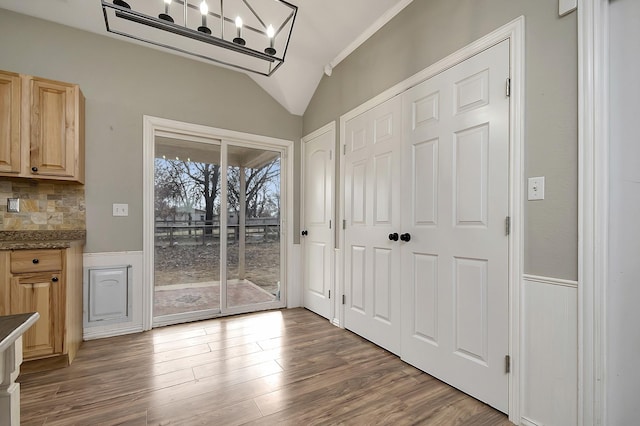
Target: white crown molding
[379,23]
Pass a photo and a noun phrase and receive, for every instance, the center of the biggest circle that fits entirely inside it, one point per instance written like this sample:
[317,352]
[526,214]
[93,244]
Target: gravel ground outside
[190,262]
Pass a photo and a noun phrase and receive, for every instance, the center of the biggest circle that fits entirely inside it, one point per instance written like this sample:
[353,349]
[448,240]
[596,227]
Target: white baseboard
[101,333]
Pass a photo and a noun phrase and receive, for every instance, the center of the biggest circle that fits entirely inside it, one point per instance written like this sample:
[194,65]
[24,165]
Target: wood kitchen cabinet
[47,281]
[42,133]
[10,87]
[43,293]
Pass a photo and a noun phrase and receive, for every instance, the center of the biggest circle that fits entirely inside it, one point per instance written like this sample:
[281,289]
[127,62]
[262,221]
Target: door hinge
[344,149]
[344,299]
[508,88]
[329,224]
[329,294]
[507,364]
[507,225]
[330,155]
[344,223]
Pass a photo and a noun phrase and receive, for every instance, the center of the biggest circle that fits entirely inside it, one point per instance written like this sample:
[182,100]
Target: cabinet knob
[34,169]
[54,279]
[36,260]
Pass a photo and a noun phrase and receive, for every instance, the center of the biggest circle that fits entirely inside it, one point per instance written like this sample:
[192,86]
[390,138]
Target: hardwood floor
[278,367]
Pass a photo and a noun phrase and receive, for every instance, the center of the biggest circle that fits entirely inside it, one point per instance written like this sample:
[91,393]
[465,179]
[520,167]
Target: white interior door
[372,212]
[317,234]
[455,267]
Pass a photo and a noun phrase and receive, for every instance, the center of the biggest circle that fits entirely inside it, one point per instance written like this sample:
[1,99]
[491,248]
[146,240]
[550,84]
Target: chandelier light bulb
[239,40]
[270,33]
[204,9]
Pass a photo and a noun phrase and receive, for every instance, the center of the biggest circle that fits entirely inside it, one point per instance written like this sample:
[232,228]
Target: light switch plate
[536,188]
[13,205]
[121,209]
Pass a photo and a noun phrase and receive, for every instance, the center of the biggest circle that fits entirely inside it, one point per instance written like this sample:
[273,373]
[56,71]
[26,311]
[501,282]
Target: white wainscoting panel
[549,352]
[294,283]
[133,258]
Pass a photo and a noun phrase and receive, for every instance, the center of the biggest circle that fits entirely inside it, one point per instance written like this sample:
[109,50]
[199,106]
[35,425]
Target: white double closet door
[432,165]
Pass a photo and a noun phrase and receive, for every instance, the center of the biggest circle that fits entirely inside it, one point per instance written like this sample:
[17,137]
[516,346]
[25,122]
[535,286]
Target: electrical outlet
[13,205]
[536,188]
[121,209]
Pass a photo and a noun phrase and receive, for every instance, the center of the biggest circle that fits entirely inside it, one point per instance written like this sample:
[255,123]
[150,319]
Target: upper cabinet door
[55,130]
[9,122]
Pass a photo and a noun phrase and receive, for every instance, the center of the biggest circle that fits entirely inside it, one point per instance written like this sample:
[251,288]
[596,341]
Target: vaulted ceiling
[324,33]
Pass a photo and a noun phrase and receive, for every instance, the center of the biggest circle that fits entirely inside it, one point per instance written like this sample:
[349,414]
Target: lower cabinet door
[43,293]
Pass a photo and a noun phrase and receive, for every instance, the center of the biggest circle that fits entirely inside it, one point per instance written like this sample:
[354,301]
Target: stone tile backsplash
[44,205]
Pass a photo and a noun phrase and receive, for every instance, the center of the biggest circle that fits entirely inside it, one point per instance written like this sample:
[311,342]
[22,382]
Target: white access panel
[107,295]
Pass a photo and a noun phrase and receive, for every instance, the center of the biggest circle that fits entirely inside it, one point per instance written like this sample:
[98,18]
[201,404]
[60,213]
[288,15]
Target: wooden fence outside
[200,231]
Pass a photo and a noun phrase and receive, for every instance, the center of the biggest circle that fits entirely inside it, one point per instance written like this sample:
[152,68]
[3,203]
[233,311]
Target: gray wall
[427,31]
[121,83]
[623,291]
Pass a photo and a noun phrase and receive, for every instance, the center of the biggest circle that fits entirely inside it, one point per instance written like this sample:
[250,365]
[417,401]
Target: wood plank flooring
[277,367]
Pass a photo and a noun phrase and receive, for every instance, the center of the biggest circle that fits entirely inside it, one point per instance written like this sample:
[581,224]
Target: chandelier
[251,35]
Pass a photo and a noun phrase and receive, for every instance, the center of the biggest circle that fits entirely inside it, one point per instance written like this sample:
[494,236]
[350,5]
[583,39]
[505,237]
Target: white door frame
[329,127]
[514,32]
[593,208]
[156,125]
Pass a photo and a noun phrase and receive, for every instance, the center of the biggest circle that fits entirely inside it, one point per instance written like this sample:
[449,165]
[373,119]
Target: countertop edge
[35,245]
[46,239]
[18,331]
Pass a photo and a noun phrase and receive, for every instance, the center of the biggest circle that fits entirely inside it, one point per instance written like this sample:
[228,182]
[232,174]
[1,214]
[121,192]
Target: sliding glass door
[253,226]
[217,237]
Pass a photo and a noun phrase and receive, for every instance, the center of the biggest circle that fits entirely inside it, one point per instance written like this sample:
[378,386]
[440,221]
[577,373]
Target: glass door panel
[187,229]
[253,226]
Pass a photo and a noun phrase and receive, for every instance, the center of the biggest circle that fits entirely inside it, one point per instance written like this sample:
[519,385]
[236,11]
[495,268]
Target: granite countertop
[20,240]
[14,326]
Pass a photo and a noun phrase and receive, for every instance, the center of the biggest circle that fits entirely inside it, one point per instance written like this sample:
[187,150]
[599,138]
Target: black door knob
[394,236]
[34,169]
[36,261]
[406,237]
[305,232]
[54,279]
